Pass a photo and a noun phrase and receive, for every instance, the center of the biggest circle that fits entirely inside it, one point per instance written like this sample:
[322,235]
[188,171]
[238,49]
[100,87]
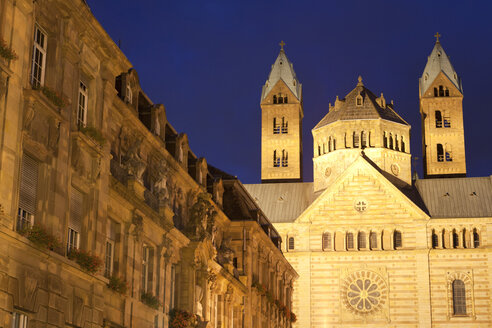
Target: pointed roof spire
[438,62]
[283,70]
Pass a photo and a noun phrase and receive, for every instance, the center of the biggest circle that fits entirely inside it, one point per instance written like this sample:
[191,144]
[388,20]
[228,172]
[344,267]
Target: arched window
[391,141]
[319,150]
[280,99]
[373,240]
[334,144]
[441,91]
[345,140]
[443,235]
[397,243]
[285,100]
[435,92]
[285,158]
[476,238]
[446,92]
[291,243]
[361,240]
[440,153]
[455,239]
[285,125]
[385,140]
[446,119]
[329,144]
[355,137]
[402,145]
[326,241]
[397,147]
[438,116]
[350,240]
[435,242]
[463,237]
[459,297]
[324,147]
[363,139]
[276,126]
[276,159]
[449,153]
[274,99]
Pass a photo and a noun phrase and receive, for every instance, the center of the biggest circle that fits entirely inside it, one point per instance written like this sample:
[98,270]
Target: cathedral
[374,245]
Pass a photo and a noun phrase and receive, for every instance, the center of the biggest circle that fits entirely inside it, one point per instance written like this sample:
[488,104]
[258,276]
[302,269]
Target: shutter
[28,184]
[76,210]
[111,230]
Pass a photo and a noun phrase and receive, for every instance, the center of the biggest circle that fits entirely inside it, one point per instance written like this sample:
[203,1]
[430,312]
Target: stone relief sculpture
[225,254]
[132,161]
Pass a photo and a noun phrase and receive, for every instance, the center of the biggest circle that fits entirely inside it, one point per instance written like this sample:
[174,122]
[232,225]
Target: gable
[445,81]
[362,185]
[280,87]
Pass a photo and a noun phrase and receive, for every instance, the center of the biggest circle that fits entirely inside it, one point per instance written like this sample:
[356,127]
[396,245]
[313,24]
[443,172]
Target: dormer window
[359,100]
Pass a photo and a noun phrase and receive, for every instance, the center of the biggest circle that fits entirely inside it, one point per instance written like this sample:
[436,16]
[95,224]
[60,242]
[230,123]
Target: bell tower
[441,109]
[281,123]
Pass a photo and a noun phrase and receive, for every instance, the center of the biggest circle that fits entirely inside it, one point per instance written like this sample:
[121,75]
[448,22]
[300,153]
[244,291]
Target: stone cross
[282,44]
[437,36]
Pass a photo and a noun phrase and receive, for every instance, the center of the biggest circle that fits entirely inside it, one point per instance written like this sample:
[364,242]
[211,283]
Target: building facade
[372,246]
[107,217]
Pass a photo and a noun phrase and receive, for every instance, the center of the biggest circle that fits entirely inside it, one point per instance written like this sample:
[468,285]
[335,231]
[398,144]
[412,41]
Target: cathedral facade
[374,246]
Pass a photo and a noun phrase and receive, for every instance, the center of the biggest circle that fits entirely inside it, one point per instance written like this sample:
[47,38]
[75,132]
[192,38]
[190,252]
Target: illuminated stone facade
[372,247]
[107,217]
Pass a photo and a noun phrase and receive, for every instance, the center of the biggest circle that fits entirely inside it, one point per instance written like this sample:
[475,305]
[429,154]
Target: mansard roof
[437,62]
[283,70]
[372,107]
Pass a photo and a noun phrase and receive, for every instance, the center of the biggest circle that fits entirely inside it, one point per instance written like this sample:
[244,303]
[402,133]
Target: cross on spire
[282,44]
[437,36]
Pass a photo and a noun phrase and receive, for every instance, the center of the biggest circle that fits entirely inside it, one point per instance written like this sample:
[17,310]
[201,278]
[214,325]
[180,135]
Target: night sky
[206,61]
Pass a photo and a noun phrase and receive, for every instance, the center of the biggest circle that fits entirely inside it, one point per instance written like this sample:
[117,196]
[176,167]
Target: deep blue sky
[206,61]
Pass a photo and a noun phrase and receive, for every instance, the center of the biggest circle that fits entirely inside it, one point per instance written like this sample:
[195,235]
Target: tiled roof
[457,197]
[282,202]
[347,109]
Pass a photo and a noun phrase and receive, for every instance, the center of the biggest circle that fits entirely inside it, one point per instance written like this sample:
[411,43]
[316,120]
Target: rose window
[364,292]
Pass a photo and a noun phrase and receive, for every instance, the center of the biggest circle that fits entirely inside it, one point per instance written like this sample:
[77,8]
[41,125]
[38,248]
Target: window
[19,320]
[291,243]
[326,241]
[147,257]
[455,239]
[276,126]
[38,57]
[334,144]
[397,147]
[319,150]
[27,192]
[373,240]
[82,107]
[435,92]
[75,221]
[361,240]
[355,139]
[443,236]
[346,141]
[463,238]
[447,120]
[274,99]
[449,153]
[285,126]
[359,100]
[129,94]
[459,297]
[111,230]
[435,242]
[476,239]
[385,140]
[276,160]
[285,158]
[363,138]
[402,145]
[397,242]
[441,91]
[438,116]
[350,240]
[391,141]
[446,92]
[440,153]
